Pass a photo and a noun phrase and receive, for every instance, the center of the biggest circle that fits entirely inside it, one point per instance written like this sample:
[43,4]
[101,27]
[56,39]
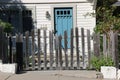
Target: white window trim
[64,6]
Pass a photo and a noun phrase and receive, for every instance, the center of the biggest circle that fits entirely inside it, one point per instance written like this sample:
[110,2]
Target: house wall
[83,17]
[82,10]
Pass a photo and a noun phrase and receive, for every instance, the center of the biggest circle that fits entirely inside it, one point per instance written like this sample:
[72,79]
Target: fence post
[89,48]
[19,52]
[65,49]
[27,49]
[39,49]
[33,49]
[72,40]
[77,48]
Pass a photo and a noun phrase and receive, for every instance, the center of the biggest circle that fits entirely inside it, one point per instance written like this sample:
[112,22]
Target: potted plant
[105,65]
[97,62]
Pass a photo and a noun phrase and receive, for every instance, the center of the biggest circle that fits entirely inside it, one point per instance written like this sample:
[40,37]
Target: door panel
[63,22]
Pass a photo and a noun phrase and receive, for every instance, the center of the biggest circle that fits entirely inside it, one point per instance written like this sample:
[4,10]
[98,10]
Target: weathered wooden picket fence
[42,49]
[107,45]
[51,53]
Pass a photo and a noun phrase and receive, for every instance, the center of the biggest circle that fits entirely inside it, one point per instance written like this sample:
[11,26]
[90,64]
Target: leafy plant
[107,16]
[6,26]
[97,62]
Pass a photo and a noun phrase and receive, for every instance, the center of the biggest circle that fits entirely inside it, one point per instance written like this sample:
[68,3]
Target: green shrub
[6,26]
[97,62]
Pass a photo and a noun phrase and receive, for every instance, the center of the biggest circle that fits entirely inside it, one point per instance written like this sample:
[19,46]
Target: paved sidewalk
[52,75]
[5,76]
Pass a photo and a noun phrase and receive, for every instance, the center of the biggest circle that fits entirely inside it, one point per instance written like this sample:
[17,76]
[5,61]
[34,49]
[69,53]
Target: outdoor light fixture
[48,15]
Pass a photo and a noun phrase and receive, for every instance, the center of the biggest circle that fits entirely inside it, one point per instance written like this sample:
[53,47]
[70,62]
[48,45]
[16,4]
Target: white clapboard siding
[42,21]
[83,18]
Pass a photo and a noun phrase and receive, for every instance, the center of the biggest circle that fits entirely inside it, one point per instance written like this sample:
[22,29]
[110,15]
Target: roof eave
[116,4]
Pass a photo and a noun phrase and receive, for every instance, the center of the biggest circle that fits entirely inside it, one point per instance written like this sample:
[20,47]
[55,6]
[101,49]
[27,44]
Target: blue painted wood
[63,22]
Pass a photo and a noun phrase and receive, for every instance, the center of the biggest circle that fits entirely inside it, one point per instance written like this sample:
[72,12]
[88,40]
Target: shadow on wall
[94,3]
[17,14]
[4,4]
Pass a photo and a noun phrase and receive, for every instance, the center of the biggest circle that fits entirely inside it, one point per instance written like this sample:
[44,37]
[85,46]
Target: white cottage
[54,15]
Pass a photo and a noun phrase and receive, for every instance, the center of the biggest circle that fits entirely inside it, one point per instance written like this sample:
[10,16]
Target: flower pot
[109,72]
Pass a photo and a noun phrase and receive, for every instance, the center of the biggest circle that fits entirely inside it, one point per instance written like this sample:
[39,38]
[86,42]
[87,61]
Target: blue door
[63,22]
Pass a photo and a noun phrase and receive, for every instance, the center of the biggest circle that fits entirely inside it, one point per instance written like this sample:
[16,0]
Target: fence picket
[72,40]
[45,50]
[10,49]
[96,43]
[83,46]
[27,49]
[114,47]
[104,45]
[39,50]
[56,50]
[116,50]
[65,49]
[89,47]
[77,48]
[51,48]
[33,49]
[5,49]
[60,52]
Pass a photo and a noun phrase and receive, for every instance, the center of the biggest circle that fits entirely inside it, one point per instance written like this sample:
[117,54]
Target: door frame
[63,6]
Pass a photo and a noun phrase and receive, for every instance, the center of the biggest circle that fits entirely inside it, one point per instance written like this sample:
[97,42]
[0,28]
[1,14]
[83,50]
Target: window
[61,12]
[64,12]
[68,12]
[57,12]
